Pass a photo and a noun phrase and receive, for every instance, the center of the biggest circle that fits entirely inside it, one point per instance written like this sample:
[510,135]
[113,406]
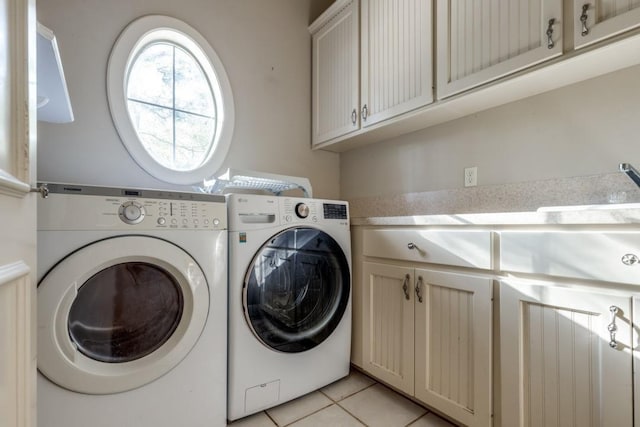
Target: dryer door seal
[119,313]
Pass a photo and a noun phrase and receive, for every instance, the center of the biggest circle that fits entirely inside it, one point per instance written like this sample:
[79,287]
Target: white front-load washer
[289,299]
[132,308]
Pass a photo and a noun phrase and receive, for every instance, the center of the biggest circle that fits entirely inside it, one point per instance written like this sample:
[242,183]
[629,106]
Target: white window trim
[138,34]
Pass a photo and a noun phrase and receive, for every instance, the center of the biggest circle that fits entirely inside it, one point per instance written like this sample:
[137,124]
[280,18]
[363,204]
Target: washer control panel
[255,212]
[170,214]
[313,210]
[126,212]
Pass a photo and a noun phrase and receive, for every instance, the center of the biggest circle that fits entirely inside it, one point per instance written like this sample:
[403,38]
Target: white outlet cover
[471,176]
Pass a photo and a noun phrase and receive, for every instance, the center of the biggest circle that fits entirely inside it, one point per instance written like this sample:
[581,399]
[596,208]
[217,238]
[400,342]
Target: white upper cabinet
[335,72]
[597,20]
[372,61]
[396,43]
[482,40]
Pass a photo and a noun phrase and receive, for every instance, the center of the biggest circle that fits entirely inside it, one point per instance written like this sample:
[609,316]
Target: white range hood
[54,104]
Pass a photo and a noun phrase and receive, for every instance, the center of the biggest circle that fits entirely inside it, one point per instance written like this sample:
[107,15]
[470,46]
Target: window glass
[171,106]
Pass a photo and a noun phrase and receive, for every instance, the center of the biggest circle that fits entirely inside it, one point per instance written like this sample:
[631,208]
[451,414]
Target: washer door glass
[125,312]
[119,313]
[296,290]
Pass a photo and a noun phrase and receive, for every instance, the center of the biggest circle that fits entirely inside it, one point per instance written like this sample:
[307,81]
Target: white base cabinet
[388,326]
[453,345]
[561,363]
[428,333]
[504,326]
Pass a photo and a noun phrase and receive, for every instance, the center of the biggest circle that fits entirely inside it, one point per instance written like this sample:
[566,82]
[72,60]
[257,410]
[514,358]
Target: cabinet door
[388,324]
[396,58]
[597,20]
[557,365]
[335,76]
[483,40]
[453,345]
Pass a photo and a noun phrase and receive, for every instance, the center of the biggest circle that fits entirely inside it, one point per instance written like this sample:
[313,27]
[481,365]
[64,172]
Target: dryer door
[119,313]
[296,290]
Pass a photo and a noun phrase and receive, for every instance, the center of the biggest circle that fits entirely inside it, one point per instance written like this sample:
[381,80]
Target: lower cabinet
[565,356]
[428,333]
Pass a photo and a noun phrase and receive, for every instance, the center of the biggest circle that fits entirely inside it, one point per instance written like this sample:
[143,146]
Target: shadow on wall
[316,7]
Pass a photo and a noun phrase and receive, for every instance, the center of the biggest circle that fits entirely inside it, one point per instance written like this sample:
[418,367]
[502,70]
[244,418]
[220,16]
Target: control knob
[131,212]
[302,210]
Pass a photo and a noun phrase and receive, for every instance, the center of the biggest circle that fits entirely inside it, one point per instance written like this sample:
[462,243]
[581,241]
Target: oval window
[170,100]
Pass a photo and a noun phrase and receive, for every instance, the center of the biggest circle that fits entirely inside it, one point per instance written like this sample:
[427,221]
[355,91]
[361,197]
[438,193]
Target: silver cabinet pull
[419,288]
[550,43]
[583,19]
[354,116]
[365,112]
[612,327]
[405,286]
[630,259]
[412,245]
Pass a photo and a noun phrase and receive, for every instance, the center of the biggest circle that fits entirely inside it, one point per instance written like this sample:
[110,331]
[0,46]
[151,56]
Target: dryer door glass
[297,290]
[125,312]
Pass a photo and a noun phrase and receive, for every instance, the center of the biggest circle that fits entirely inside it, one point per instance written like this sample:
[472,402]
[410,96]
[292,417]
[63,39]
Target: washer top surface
[77,207]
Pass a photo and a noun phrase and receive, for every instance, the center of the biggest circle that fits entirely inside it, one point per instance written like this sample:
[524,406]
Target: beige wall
[584,129]
[266,49]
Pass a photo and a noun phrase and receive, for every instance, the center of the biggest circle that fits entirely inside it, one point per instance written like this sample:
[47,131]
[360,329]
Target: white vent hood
[54,104]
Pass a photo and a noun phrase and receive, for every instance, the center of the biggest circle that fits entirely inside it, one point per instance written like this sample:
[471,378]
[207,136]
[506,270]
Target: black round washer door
[297,290]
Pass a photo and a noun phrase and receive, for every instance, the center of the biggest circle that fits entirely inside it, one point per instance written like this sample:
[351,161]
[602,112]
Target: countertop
[600,215]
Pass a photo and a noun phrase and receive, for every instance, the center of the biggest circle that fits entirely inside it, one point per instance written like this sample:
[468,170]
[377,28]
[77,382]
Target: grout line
[271,418]
[306,416]
[328,397]
[354,416]
[354,393]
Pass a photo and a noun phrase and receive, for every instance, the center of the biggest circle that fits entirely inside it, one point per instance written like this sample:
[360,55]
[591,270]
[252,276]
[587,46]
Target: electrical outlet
[471,176]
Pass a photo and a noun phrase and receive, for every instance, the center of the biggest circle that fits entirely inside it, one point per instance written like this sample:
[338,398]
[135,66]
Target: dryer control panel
[115,209]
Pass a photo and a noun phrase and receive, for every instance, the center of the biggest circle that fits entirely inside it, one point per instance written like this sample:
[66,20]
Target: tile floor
[356,400]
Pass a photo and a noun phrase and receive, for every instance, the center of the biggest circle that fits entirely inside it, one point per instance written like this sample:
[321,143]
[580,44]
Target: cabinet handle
[405,286]
[550,43]
[419,288]
[412,245]
[583,19]
[354,116]
[365,112]
[612,328]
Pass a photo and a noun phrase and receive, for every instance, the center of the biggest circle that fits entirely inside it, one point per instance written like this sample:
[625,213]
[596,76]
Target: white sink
[590,207]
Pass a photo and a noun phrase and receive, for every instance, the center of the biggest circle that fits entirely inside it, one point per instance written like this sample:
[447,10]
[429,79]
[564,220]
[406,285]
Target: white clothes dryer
[132,308]
[289,299]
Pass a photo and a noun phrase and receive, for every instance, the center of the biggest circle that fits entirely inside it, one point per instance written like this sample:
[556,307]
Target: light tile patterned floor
[356,400]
